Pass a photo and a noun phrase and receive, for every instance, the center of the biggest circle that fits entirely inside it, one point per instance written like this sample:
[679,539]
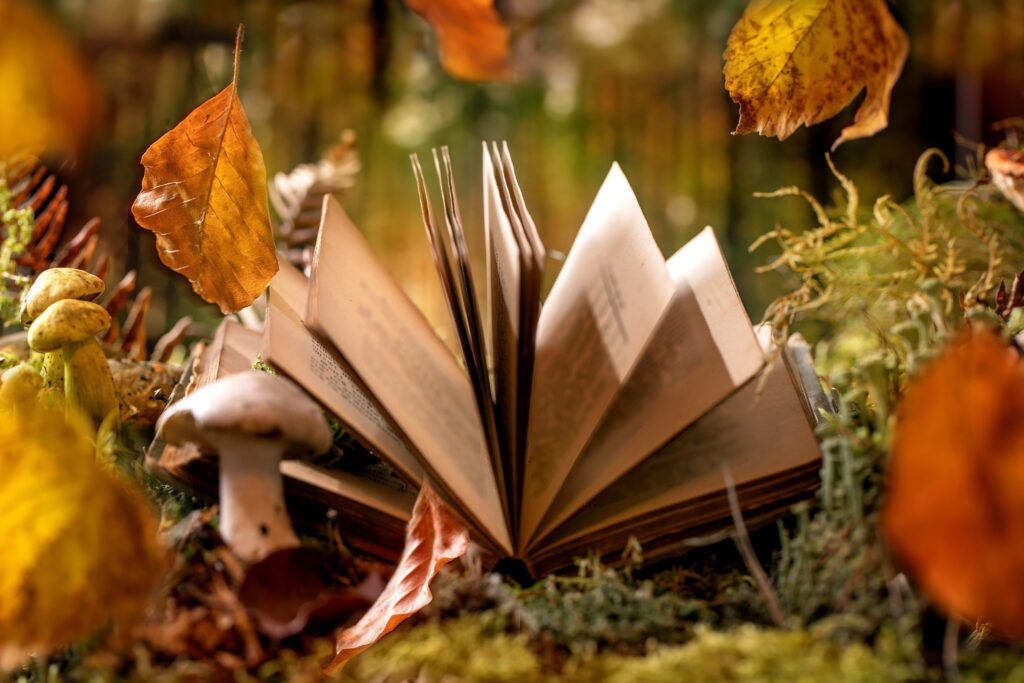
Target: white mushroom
[252,420]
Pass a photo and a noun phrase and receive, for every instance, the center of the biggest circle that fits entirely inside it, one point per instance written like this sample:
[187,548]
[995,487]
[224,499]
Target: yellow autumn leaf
[204,195]
[49,100]
[790,63]
[79,547]
[471,37]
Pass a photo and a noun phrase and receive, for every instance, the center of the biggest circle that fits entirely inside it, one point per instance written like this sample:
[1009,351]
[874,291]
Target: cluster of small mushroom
[63,320]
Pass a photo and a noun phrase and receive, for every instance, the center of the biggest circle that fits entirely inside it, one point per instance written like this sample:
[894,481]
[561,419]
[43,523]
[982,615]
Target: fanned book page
[290,347]
[704,339]
[356,304]
[600,313]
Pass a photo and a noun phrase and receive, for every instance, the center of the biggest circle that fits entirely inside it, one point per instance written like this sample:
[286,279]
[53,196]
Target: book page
[754,436]
[443,262]
[600,314]
[234,349]
[392,502]
[682,373]
[291,348]
[504,303]
[451,257]
[702,263]
[356,304]
[533,263]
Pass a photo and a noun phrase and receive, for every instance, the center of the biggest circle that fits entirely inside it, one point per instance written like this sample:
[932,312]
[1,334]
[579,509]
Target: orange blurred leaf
[955,505]
[204,195]
[471,37]
[49,99]
[433,539]
[790,63]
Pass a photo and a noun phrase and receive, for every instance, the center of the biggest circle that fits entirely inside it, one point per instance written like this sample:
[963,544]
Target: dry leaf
[955,504]
[79,546]
[49,100]
[433,539]
[471,37]
[790,63]
[204,195]
[286,591]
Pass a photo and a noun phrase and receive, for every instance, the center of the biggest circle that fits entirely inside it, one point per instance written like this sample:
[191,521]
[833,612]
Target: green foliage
[259,366]
[886,291]
[17,225]
[862,273]
[8,360]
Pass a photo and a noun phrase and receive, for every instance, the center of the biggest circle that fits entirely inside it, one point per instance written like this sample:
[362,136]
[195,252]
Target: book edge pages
[800,452]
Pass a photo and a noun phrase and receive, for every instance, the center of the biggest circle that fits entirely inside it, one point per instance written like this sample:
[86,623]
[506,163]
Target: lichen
[16,225]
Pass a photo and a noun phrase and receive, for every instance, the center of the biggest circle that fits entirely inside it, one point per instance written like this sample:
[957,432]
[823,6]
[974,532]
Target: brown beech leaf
[954,511]
[204,195]
[471,37]
[790,63]
[286,590]
[433,538]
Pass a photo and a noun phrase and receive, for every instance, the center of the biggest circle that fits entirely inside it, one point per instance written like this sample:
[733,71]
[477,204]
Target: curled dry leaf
[1007,169]
[790,63]
[955,506]
[170,340]
[433,539]
[471,37]
[204,195]
[79,545]
[286,590]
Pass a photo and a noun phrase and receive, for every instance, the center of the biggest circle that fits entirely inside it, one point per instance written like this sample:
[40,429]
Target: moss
[468,649]
[993,662]
[477,648]
[608,613]
[750,654]
[16,227]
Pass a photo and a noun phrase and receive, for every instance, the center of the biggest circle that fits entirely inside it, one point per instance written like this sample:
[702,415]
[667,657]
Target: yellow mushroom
[70,326]
[52,285]
[19,387]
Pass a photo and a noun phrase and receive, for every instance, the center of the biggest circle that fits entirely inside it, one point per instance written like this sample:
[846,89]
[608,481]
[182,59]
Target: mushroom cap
[67,321]
[258,404]
[55,284]
[20,383]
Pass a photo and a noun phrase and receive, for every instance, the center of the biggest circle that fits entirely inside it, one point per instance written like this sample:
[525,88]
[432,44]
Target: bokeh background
[596,81]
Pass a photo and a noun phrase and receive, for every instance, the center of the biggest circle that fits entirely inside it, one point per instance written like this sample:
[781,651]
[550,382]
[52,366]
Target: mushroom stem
[88,383]
[253,519]
[53,370]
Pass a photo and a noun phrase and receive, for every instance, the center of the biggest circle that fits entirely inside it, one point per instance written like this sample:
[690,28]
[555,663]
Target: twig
[950,649]
[749,557]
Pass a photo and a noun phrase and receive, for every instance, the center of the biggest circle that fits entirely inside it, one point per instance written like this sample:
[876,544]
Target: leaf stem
[238,51]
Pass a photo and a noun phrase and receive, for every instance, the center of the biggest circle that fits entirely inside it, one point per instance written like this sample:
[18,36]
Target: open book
[610,411]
